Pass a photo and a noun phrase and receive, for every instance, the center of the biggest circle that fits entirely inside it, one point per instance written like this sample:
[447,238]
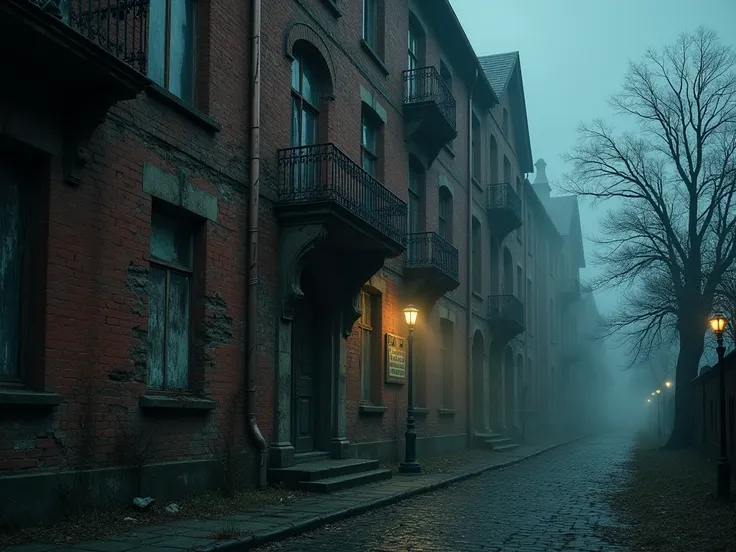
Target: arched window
[444,222]
[305,100]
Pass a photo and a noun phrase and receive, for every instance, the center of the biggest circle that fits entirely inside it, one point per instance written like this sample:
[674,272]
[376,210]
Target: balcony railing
[118,26]
[429,249]
[506,307]
[503,196]
[427,85]
[320,173]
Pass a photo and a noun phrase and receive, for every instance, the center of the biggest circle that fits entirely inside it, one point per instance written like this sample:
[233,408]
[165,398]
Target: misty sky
[574,54]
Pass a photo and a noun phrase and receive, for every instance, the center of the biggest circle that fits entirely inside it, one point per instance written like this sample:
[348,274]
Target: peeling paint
[137,284]
[218,328]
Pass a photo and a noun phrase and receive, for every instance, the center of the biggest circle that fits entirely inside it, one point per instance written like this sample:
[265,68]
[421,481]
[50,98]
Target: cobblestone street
[548,503]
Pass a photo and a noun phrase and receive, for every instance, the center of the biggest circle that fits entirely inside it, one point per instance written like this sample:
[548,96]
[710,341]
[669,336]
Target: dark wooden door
[304,378]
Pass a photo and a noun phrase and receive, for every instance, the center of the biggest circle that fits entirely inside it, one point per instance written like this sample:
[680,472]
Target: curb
[254,541]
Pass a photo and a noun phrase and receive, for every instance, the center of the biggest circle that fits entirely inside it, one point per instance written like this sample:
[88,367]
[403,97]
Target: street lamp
[668,384]
[718,325]
[410,464]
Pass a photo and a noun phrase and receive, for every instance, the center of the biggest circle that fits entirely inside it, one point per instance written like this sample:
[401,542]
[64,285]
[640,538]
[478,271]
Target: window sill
[446,412]
[186,109]
[371,409]
[184,402]
[333,9]
[477,184]
[23,397]
[477,295]
[449,150]
[374,56]
[420,412]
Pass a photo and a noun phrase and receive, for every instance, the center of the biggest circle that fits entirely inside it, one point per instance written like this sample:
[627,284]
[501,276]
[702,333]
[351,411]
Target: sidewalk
[252,528]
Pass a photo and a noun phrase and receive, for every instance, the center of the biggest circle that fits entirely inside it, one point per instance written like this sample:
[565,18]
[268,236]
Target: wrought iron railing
[429,249]
[506,307]
[426,84]
[118,26]
[311,174]
[503,196]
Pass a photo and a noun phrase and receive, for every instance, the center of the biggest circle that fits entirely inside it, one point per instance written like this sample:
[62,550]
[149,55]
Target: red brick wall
[98,239]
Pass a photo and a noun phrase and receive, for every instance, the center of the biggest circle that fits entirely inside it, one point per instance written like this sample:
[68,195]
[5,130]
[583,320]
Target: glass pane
[295,73]
[156,326]
[157,41]
[369,164]
[310,90]
[309,128]
[170,242]
[11,227]
[178,339]
[366,365]
[295,135]
[442,231]
[413,213]
[368,136]
[181,61]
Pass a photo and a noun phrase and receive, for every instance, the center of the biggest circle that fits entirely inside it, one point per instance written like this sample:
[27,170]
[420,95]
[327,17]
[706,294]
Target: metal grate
[322,172]
[426,84]
[118,26]
[430,249]
[503,196]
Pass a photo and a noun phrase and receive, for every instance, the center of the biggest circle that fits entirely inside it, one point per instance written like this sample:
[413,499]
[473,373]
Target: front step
[497,442]
[332,484]
[505,448]
[480,437]
[324,476]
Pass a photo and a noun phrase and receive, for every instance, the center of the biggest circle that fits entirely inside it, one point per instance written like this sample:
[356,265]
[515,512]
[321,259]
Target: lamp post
[718,325]
[659,418]
[410,464]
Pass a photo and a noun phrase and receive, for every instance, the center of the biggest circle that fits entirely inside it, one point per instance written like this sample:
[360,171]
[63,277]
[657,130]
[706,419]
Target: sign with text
[396,353]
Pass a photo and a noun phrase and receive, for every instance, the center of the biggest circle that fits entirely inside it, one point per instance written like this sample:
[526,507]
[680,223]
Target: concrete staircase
[494,441]
[315,472]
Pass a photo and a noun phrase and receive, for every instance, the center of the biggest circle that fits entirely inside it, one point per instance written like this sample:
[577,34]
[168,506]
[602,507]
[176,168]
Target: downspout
[469,355]
[254,165]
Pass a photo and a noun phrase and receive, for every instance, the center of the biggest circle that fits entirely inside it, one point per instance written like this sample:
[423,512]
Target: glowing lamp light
[653,393]
[668,384]
[659,391]
[718,323]
[649,400]
[410,315]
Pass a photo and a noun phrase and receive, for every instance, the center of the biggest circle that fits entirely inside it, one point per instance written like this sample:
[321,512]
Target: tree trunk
[692,337]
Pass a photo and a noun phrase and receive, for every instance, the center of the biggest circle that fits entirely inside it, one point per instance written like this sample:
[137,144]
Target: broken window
[11,276]
[169,299]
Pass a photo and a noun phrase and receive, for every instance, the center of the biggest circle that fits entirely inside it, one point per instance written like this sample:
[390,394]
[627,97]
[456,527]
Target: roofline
[542,208]
[481,74]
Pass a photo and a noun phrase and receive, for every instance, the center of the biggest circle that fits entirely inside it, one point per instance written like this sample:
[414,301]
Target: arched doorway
[479,351]
[509,384]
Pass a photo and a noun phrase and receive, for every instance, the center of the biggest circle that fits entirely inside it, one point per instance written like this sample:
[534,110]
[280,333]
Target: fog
[574,56]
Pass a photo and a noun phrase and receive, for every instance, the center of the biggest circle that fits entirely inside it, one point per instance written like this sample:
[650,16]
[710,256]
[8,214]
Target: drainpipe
[253,196]
[469,383]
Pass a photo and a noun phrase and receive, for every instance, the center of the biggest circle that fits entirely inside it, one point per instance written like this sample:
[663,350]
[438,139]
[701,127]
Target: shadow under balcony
[429,110]
[321,185]
[505,316]
[504,209]
[431,266]
[69,61]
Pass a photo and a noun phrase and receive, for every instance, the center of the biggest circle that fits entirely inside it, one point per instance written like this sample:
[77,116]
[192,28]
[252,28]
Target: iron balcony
[504,209]
[429,110]
[506,315]
[431,265]
[321,183]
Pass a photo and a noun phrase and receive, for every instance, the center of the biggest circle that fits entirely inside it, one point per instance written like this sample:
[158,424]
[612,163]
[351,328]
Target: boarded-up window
[11,266]
[170,286]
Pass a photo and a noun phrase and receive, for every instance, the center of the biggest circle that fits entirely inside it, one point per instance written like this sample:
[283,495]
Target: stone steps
[325,475]
[505,448]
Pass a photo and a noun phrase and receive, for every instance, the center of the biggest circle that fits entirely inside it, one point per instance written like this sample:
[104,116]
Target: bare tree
[669,238]
[725,301]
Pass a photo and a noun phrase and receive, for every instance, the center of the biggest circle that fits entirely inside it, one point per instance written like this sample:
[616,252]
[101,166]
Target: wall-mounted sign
[396,349]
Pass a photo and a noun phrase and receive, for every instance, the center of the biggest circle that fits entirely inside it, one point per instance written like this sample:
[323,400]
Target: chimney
[541,184]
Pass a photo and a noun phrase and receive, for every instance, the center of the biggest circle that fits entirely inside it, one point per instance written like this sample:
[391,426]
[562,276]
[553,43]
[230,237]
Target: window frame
[167,50]
[190,273]
[366,325]
[369,126]
[444,214]
[447,351]
[476,134]
[370,38]
[476,264]
[303,104]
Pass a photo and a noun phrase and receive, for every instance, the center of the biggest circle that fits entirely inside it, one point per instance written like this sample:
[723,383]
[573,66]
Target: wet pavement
[551,502]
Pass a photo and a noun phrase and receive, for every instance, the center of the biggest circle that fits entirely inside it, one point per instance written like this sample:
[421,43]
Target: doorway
[509,385]
[478,363]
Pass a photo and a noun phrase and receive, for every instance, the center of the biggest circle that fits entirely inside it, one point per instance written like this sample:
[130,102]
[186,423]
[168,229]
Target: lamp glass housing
[410,315]
[718,323]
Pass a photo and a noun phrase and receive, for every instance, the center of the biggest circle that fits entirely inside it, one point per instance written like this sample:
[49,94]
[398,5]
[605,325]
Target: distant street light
[659,391]
[410,464]
[649,400]
[718,325]
[668,384]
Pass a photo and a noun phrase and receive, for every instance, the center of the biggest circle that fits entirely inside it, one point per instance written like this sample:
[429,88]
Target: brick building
[148,348]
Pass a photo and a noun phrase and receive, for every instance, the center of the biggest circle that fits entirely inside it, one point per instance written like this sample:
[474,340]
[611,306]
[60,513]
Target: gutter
[469,356]
[254,166]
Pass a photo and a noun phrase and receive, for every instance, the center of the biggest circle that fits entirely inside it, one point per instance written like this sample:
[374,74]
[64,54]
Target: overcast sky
[574,54]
